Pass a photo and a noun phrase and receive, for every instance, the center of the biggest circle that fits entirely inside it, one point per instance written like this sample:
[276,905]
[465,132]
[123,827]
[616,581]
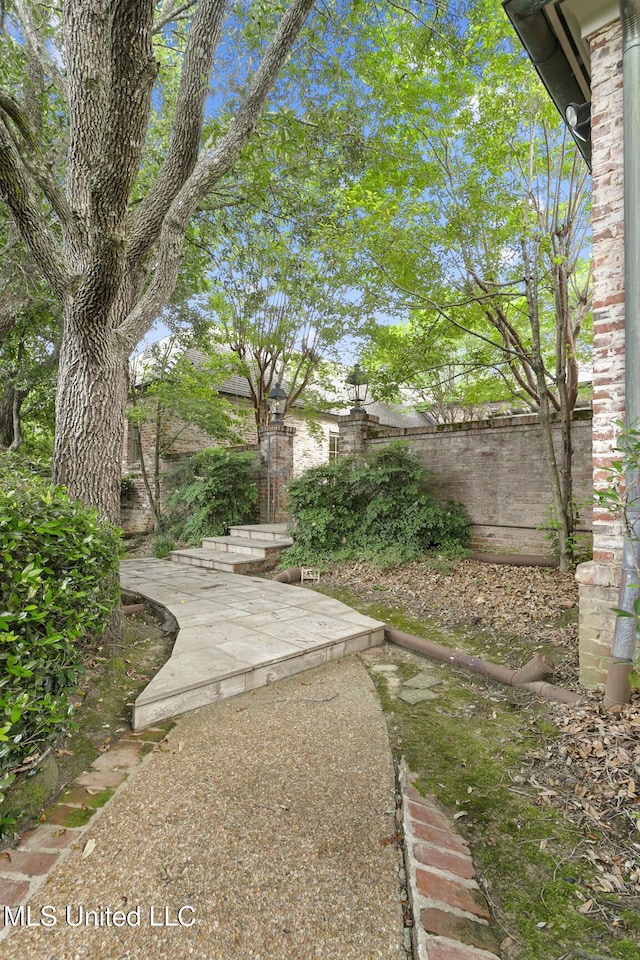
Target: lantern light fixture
[277,401]
[357,388]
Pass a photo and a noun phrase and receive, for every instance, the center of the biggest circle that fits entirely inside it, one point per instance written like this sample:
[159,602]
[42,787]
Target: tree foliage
[482,225]
[101,199]
[172,390]
[213,490]
[284,304]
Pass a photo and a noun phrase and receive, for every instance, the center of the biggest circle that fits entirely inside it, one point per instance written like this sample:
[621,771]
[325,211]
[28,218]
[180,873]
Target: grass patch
[469,749]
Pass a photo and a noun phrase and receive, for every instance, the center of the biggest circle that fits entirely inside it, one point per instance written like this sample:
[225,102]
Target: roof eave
[549,59]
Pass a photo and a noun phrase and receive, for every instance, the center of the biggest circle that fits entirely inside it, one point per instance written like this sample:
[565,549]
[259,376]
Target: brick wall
[498,470]
[178,440]
[310,449]
[598,580]
[311,442]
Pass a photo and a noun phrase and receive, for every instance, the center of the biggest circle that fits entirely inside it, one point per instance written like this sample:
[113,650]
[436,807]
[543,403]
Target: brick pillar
[276,462]
[598,580]
[354,431]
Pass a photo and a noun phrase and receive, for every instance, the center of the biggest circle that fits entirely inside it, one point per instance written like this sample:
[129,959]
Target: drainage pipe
[290,575]
[618,689]
[527,677]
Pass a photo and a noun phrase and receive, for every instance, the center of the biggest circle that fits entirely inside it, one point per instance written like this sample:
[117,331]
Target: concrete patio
[237,633]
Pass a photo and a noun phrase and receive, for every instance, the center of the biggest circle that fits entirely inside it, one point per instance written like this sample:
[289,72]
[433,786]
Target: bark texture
[112,257]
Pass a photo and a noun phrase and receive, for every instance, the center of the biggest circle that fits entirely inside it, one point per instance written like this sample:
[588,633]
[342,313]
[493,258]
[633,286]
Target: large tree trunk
[90,415]
[90,418]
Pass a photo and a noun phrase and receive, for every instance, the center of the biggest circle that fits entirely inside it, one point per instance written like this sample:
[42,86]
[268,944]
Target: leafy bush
[162,545]
[127,487]
[59,585]
[378,508]
[210,492]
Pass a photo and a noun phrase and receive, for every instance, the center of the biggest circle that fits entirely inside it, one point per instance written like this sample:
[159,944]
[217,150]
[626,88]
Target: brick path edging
[25,867]
[451,914]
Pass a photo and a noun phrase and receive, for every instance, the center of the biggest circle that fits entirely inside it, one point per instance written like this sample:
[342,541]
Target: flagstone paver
[237,633]
[450,914]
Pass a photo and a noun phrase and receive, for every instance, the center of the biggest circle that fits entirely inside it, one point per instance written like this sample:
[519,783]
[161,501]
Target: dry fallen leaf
[89,847]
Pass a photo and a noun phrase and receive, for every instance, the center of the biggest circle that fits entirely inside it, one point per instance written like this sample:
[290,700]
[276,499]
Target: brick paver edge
[443,943]
[43,848]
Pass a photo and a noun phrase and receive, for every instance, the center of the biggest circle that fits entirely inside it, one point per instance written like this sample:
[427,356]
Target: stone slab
[238,633]
[417,696]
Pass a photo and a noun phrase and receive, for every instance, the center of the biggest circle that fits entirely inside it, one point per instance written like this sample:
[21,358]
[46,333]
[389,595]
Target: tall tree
[443,370]
[105,223]
[170,392]
[284,299]
[489,231]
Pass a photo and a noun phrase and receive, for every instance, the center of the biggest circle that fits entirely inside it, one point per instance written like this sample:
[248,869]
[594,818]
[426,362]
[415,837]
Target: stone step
[220,560]
[248,546]
[261,531]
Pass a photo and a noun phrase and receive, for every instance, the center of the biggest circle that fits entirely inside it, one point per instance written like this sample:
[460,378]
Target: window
[334,446]
[134,445]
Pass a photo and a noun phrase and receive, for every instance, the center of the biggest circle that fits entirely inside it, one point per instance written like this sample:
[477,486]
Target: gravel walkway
[263,823]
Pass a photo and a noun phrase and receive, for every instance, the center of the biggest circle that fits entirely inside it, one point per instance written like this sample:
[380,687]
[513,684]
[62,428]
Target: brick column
[598,580]
[354,431]
[276,461]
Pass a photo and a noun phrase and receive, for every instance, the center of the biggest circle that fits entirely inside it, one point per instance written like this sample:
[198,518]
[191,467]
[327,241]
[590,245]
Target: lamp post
[357,388]
[277,401]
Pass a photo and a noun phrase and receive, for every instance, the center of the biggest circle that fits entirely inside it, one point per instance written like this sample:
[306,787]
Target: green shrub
[380,508]
[127,487]
[210,492]
[162,545]
[58,587]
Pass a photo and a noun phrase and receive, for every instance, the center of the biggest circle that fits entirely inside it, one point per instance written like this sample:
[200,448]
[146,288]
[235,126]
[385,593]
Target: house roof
[390,415]
[233,386]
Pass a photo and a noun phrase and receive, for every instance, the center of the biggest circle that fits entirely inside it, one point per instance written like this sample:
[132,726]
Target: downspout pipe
[618,689]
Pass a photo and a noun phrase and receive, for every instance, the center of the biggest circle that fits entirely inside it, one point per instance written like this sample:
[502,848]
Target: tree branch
[212,164]
[171,12]
[37,45]
[116,165]
[188,123]
[87,32]
[40,241]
